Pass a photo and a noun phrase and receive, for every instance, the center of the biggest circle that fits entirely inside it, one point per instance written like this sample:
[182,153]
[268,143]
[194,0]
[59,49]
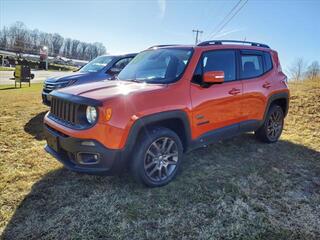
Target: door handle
[234,91]
[266,85]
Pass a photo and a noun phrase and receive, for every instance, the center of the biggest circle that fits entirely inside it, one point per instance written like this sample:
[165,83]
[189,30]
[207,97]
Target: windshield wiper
[135,80]
[130,80]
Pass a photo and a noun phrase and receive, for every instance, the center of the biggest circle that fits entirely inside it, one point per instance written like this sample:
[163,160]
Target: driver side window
[122,63]
[218,60]
[224,60]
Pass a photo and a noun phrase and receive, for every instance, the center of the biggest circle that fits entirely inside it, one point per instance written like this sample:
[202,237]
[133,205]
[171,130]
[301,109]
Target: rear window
[251,66]
[267,62]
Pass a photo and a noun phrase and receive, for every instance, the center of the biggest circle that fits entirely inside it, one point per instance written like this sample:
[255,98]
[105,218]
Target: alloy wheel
[161,159]
[274,124]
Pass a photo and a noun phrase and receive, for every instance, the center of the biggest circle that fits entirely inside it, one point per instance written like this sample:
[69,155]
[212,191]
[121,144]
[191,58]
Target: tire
[272,127]
[157,157]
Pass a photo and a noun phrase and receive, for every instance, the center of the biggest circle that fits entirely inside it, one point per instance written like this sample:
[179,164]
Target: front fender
[143,122]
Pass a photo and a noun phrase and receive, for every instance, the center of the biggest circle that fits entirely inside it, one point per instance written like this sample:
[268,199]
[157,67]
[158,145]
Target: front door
[216,106]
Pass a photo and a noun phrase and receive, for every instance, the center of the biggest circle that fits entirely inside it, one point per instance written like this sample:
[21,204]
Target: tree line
[20,39]
[300,70]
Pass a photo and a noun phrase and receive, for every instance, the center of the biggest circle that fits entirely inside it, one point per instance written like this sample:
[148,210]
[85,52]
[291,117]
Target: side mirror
[114,70]
[213,77]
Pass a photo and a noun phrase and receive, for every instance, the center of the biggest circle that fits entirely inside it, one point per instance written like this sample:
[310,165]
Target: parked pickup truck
[168,100]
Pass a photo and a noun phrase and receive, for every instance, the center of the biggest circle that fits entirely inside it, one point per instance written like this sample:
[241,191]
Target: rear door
[216,106]
[255,72]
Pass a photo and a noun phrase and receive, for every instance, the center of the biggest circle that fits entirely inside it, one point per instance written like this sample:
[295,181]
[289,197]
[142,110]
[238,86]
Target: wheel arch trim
[143,122]
[273,98]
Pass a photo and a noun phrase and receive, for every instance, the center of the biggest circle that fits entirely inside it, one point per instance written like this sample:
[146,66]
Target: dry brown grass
[235,189]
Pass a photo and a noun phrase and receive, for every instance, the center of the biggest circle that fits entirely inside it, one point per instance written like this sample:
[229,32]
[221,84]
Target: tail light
[277,61]
[285,81]
[280,68]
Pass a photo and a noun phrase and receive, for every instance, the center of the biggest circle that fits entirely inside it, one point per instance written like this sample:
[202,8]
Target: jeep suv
[167,101]
[100,68]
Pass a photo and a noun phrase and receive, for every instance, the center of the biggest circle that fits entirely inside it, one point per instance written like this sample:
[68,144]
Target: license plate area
[52,141]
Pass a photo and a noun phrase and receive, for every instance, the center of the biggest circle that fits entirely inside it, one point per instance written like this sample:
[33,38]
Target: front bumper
[78,154]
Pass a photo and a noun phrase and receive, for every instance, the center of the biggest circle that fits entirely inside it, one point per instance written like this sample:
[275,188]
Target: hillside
[304,113]
[235,189]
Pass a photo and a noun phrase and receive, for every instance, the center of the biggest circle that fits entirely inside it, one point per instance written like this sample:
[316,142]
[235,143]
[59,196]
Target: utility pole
[197,31]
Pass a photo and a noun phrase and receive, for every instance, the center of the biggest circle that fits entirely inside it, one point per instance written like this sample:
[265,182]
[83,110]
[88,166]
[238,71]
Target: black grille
[64,110]
[49,87]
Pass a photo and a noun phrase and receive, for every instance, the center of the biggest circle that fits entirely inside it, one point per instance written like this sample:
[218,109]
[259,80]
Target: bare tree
[4,35]
[18,33]
[74,48]
[46,40]
[81,50]
[100,49]
[313,70]
[90,52]
[67,47]
[34,41]
[19,38]
[297,69]
[57,42]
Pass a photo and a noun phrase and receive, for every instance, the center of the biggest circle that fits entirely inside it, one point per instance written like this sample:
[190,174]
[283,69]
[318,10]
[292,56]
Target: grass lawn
[235,189]
[6,68]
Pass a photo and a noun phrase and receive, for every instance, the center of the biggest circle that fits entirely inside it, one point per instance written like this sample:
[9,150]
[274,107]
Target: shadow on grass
[12,87]
[205,200]
[8,88]
[35,126]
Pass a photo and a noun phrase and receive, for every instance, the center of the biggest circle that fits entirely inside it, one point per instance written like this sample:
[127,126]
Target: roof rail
[220,42]
[166,45]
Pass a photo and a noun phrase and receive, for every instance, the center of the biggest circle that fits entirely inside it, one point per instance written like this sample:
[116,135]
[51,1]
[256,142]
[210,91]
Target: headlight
[61,85]
[91,114]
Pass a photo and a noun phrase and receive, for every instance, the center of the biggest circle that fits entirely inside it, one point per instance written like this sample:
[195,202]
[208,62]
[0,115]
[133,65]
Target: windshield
[157,66]
[96,64]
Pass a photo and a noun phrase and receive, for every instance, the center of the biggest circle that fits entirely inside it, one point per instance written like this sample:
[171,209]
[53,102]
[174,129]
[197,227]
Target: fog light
[88,158]
[88,143]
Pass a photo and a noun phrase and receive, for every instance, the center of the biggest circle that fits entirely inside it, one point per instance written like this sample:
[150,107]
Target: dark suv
[101,68]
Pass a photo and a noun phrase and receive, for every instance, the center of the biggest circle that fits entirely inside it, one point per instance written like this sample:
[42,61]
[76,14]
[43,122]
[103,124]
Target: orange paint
[220,104]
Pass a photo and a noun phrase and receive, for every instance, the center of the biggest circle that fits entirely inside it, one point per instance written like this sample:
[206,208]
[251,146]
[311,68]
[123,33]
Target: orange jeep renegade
[168,100]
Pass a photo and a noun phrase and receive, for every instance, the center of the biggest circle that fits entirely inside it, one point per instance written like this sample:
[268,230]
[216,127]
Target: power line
[213,11]
[225,18]
[237,11]
[197,31]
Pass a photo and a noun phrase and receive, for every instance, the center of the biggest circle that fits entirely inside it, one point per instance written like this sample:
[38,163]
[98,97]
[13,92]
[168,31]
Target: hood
[108,89]
[70,76]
